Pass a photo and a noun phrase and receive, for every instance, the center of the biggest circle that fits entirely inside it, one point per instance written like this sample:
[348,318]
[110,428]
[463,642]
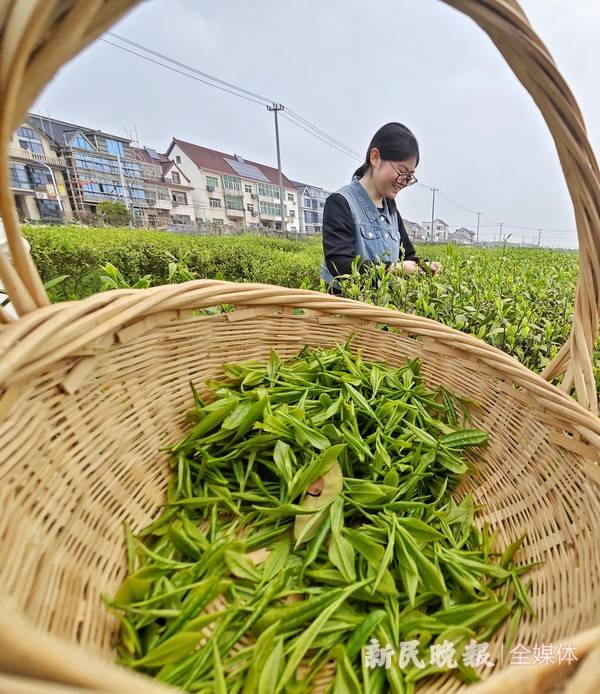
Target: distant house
[462,236]
[440,230]
[38,175]
[168,190]
[311,200]
[414,230]
[231,190]
[100,167]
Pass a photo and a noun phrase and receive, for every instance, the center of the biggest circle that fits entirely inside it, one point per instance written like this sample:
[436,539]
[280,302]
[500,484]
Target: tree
[113,213]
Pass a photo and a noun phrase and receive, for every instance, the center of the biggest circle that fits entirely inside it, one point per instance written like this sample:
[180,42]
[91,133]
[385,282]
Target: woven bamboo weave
[91,390]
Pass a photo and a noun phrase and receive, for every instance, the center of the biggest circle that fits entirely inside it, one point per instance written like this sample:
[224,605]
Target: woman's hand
[407,267]
[435,267]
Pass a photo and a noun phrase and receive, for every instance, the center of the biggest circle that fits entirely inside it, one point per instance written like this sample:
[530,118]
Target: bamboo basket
[91,390]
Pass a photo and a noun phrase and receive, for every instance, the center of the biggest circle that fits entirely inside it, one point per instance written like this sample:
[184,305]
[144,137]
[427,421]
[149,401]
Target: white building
[168,190]
[311,200]
[440,230]
[227,189]
[414,230]
[462,236]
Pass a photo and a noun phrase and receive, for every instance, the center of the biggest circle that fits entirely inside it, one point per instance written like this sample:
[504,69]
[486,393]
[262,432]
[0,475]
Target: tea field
[520,300]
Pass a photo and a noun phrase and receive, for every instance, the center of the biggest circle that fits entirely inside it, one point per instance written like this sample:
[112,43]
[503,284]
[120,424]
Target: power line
[495,223]
[231,88]
[190,68]
[321,132]
[299,125]
[185,74]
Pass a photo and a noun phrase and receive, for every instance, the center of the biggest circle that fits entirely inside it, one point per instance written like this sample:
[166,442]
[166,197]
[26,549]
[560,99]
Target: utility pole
[539,237]
[478,221]
[434,191]
[275,108]
[501,225]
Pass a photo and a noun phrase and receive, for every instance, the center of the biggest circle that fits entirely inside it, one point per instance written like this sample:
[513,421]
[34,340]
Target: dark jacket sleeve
[339,233]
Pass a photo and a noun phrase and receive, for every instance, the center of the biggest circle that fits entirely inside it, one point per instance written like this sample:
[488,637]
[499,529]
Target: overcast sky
[349,66]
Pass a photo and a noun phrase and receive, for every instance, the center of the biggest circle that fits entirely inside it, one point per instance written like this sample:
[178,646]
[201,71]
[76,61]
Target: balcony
[26,155]
[234,213]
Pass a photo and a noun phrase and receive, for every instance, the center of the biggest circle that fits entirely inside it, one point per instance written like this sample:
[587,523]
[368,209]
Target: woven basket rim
[30,345]
[37,38]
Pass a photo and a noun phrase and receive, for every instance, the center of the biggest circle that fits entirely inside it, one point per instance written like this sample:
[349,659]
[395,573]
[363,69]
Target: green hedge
[80,251]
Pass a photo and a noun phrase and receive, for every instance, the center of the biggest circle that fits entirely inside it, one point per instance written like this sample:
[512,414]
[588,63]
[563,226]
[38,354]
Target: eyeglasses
[403,177]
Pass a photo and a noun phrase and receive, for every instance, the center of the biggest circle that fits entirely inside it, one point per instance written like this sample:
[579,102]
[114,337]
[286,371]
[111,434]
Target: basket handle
[29,59]
[506,24]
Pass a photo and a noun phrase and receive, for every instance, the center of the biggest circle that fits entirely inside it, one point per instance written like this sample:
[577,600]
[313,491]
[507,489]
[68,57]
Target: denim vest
[376,234]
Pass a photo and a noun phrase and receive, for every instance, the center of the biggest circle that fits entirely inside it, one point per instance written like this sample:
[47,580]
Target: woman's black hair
[395,142]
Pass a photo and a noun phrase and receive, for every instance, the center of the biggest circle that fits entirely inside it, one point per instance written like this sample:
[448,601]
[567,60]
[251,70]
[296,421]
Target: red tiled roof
[206,158]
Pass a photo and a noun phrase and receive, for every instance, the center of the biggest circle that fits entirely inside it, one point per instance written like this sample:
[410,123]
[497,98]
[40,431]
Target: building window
[49,209]
[88,185]
[292,213]
[270,208]
[176,177]
[18,177]
[250,207]
[39,177]
[268,191]
[131,169]
[115,147]
[80,142]
[180,218]
[248,189]
[137,193]
[232,202]
[178,159]
[311,217]
[29,139]
[212,182]
[100,164]
[28,133]
[291,197]
[179,198]
[217,221]
[114,189]
[214,202]
[232,183]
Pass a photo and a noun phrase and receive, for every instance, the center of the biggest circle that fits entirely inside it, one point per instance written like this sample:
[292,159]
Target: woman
[362,220]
